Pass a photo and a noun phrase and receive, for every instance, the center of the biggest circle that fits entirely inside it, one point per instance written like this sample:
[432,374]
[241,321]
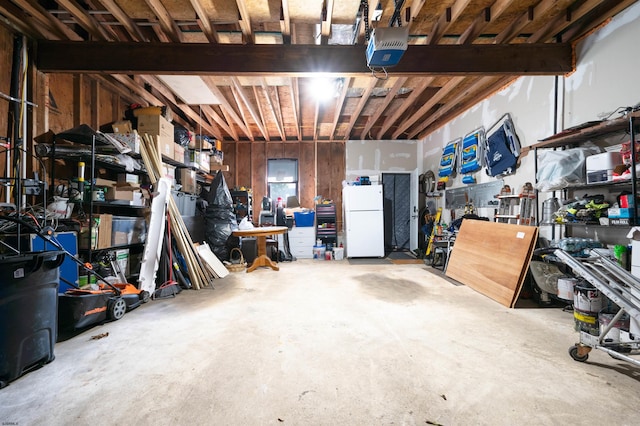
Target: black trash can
[28,311]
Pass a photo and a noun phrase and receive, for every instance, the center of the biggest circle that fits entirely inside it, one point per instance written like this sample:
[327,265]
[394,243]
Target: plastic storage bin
[304,219]
[28,311]
[128,230]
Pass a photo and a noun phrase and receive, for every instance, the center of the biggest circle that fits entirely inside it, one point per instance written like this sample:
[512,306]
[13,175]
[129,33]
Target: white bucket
[338,253]
[565,288]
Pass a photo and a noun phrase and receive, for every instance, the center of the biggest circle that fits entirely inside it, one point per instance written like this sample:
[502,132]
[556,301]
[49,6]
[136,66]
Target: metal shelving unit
[598,132]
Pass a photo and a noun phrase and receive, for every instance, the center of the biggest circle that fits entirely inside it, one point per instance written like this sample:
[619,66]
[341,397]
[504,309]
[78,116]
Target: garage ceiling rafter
[256,57]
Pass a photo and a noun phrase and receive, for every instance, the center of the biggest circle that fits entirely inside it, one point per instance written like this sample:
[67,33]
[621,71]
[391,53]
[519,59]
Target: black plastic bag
[220,220]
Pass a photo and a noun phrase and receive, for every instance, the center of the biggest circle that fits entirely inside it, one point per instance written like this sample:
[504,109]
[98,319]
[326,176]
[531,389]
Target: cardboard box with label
[178,153]
[160,130]
[155,125]
[188,180]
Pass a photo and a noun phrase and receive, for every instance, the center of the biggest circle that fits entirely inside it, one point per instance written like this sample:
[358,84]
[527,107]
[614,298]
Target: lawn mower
[81,307]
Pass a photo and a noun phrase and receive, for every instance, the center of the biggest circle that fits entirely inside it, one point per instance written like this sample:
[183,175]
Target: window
[282,179]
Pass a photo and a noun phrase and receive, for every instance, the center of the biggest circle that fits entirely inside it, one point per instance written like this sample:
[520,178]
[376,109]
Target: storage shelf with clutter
[595,176]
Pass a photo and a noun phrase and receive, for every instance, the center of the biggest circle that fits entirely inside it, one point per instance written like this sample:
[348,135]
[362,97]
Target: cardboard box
[164,146]
[104,231]
[123,126]
[103,182]
[155,125]
[178,153]
[188,180]
[128,178]
[119,193]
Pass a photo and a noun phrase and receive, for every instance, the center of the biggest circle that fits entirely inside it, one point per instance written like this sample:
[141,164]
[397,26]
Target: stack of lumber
[201,272]
[493,258]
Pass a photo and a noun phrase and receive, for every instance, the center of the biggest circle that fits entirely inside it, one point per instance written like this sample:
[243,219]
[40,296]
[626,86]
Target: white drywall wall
[372,158]
[606,78]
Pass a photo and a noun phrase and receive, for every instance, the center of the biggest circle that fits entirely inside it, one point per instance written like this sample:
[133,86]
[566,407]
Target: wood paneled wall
[321,169]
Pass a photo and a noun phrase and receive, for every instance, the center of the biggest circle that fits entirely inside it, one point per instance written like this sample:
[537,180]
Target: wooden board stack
[200,276]
[493,258]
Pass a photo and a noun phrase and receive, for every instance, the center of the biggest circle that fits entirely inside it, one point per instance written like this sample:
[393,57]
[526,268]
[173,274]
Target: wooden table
[261,235]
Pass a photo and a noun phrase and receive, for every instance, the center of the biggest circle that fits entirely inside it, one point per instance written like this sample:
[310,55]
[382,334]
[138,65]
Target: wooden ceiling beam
[245,22]
[275,109]
[225,104]
[295,105]
[135,88]
[226,120]
[285,22]
[204,22]
[167,23]
[520,24]
[448,18]
[437,97]
[325,25]
[339,106]
[586,7]
[116,87]
[363,101]
[47,20]
[400,81]
[171,99]
[16,18]
[410,100]
[122,17]
[316,119]
[480,23]
[252,111]
[245,121]
[85,20]
[481,90]
[267,135]
[298,60]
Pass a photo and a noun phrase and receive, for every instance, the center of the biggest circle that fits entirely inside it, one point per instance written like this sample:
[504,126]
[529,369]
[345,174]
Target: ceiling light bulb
[323,88]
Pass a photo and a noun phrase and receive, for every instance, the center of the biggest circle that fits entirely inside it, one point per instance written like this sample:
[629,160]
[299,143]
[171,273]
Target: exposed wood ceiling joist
[256,57]
[529,59]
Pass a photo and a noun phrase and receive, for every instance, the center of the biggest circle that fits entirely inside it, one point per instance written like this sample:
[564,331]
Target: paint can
[587,302]
[566,287]
[587,298]
[604,319]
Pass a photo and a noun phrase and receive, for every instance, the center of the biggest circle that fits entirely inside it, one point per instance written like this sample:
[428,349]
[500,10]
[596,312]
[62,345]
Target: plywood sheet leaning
[493,258]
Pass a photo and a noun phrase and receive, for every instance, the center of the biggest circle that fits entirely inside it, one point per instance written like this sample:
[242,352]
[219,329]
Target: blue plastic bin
[304,219]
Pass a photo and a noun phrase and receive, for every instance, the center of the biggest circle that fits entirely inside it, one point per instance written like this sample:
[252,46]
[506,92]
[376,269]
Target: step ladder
[518,209]
[621,288]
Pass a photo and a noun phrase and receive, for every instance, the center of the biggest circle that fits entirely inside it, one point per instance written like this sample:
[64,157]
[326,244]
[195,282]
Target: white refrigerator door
[366,197]
[365,233]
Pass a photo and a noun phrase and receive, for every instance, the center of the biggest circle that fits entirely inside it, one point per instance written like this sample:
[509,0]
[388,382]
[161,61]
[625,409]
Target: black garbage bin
[28,311]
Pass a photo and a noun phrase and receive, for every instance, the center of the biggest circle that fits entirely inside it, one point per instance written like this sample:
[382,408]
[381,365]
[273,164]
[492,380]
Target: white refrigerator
[363,220]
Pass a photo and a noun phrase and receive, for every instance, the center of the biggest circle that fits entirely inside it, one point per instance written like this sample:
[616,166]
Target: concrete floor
[327,343]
